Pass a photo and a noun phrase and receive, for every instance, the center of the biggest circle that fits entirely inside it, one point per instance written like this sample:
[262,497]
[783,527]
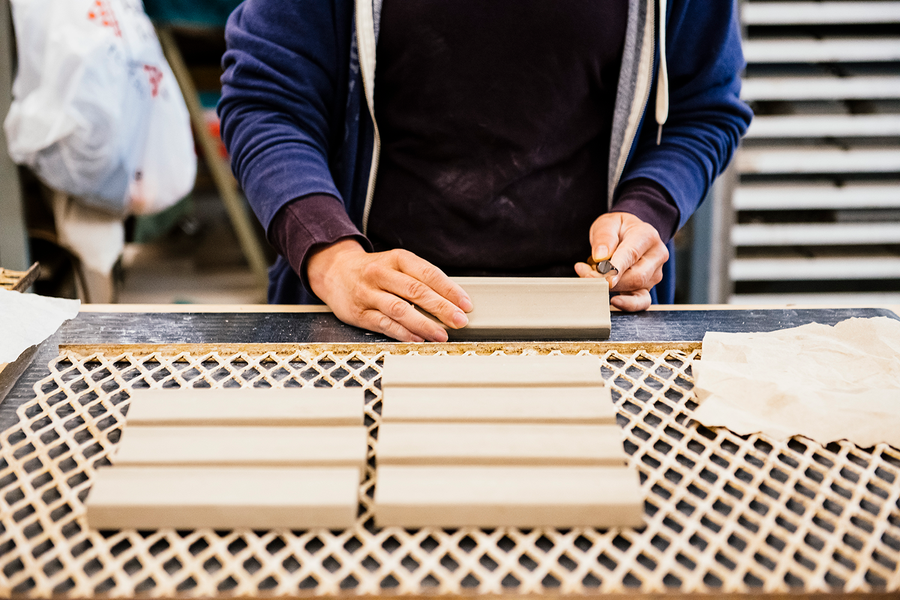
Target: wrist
[323,259]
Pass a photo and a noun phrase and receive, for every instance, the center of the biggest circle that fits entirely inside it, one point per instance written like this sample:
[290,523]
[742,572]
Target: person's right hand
[375,291]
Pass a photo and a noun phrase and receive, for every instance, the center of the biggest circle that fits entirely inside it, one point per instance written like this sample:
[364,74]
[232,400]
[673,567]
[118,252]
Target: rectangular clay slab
[242,446]
[490,371]
[257,406]
[535,308]
[498,444]
[223,498]
[491,496]
[569,404]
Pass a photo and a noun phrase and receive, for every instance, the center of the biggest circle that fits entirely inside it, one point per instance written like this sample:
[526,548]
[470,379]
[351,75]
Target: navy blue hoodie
[297,116]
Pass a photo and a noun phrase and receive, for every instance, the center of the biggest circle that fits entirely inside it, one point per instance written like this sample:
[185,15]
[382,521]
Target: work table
[724,513]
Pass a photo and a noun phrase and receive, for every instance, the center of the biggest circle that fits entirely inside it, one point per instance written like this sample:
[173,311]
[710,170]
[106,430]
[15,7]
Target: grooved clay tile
[508,496]
[490,371]
[583,405]
[223,498]
[236,446]
[257,406]
[498,444]
[535,308]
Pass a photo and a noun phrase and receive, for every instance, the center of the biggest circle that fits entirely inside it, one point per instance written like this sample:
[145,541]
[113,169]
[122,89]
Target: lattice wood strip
[19,280]
[725,513]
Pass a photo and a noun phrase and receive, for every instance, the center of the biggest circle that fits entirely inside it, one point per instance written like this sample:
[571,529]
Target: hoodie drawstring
[662,81]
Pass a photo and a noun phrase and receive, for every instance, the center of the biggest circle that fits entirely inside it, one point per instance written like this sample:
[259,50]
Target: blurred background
[808,213]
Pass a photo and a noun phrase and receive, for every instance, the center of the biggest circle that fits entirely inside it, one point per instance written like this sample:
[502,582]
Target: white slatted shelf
[820,234]
[820,88]
[816,13]
[802,160]
[814,269]
[825,79]
[816,196]
[816,126]
[823,299]
[836,50]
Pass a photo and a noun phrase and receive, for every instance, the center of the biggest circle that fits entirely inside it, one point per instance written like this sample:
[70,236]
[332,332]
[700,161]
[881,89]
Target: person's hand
[635,249]
[374,291]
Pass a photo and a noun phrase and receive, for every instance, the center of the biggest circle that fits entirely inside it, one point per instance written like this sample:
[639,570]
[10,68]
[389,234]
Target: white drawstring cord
[662,81]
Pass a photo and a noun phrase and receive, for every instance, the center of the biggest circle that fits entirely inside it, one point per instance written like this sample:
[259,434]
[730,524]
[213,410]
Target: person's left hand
[635,249]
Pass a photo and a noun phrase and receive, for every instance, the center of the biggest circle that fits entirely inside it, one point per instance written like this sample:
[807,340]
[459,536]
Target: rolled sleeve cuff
[651,203]
[308,222]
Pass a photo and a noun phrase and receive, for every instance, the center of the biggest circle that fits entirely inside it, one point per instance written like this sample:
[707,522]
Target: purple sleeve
[651,203]
[311,221]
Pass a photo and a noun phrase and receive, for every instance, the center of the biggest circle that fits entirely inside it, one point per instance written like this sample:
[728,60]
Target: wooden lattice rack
[724,513]
[19,280]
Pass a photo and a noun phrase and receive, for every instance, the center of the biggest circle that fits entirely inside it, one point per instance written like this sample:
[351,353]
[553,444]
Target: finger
[644,274]
[632,301]
[604,236]
[419,293]
[394,308]
[435,279]
[631,250]
[377,321]
[586,270]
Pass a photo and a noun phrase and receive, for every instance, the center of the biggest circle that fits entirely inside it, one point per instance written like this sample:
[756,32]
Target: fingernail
[416,339]
[442,336]
[601,253]
[459,319]
[466,305]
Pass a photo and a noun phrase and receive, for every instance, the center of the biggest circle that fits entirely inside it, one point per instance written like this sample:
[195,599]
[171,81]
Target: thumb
[605,236]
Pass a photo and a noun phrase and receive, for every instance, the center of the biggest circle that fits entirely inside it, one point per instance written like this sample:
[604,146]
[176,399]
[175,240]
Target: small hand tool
[603,267]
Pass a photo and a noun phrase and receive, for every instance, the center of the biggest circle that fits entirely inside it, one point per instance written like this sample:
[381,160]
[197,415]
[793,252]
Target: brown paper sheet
[825,383]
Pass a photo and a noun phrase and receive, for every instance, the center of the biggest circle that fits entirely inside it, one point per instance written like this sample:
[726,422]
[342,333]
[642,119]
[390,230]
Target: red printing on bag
[155,76]
[103,14]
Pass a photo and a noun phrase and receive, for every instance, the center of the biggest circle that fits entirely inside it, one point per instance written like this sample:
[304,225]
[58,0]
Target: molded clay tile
[499,444]
[257,406]
[535,308]
[223,498]
[242,446]
[509,496]
[490,371]
[564,404]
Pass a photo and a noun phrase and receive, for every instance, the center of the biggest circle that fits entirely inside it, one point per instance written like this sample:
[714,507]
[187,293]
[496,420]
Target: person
[502,138]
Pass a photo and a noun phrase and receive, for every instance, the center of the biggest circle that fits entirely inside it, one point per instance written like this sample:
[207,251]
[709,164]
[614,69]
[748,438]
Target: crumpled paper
[825,383]
[27,320]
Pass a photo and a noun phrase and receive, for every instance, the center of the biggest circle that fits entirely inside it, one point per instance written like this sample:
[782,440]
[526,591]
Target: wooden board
[496,371]
[491,496]
[498,444]
[10,372]
[570,404]
[535,308]
[242,446]
[19,281]
[247,407]
[223,498]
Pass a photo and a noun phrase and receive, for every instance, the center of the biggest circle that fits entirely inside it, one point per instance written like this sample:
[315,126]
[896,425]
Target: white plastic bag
[96,110]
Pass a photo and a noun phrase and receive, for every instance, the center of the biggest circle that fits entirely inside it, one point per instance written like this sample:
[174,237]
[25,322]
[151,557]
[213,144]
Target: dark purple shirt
[495,121]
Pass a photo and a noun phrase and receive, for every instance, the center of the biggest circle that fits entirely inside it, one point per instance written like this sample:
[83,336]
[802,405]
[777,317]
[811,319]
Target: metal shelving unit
[814,215]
